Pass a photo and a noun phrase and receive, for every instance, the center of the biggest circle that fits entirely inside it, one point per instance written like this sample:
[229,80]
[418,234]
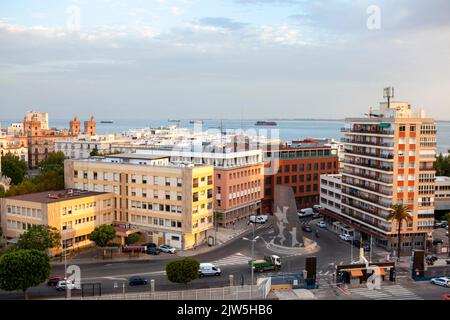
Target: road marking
[395,292]
[234,259]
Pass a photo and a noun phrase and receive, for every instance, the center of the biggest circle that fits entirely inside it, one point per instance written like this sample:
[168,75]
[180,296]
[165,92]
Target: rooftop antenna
[388,93]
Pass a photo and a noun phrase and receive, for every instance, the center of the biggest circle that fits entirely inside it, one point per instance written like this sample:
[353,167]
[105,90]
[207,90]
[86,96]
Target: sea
[286,130]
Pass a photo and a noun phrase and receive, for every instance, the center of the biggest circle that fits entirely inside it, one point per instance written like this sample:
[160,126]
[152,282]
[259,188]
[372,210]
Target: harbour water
[286,129]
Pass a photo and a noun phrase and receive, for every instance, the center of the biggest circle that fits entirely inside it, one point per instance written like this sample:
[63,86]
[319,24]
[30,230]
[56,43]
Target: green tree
[94,152]
[14,168]
[447,218]
[23,269]
[54,162]
[182,270]
[39,237]
[103,235]
[133,238]
[399,213]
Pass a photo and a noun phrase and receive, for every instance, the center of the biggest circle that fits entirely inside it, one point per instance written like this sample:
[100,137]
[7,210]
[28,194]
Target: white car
[345,237]
[317,207]
[64,285]
[305,213]
[167,249]
[443,282]
[259,219]
[321,224]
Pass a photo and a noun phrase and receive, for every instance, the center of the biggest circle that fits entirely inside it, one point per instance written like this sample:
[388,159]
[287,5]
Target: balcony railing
[375,178]
[359,217]
[370,131]
[366,186]
[360,195]
[371,143]
[378,167]
[370,154]
[372,210]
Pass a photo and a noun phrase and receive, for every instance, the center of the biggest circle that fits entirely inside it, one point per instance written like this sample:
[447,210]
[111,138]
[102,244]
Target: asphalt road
[232,258]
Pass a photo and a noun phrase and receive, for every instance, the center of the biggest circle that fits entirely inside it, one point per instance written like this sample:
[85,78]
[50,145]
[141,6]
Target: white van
[208,269]
[307,212]
[258,219]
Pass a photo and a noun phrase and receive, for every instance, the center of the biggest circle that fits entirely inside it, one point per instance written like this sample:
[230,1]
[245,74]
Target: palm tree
[398,213]
[447,218]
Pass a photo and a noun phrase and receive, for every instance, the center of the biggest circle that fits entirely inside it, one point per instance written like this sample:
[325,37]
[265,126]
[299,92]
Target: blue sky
[217,58]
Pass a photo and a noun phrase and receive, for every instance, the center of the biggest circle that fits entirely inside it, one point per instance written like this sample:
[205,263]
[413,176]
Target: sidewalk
[224,235]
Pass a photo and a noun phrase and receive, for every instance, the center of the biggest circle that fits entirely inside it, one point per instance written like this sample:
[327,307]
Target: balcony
[359,217]
[388,169]
[369,198]
[374,211]
[376,178]
[388,156]
[366,186]
[370,143]
[369,131]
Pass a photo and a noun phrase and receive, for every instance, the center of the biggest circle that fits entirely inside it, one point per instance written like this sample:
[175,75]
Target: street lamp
[253,259]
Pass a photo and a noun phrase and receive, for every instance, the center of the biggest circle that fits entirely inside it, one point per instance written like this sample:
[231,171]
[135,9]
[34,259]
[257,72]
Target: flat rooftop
[55,196]
[139,156]
[442,179]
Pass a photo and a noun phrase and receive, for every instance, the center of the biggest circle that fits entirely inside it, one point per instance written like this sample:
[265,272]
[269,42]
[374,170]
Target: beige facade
[169,203]
[389,159]
[74,213]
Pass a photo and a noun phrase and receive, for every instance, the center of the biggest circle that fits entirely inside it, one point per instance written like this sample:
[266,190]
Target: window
[179,182]
[167,181]
[144,179]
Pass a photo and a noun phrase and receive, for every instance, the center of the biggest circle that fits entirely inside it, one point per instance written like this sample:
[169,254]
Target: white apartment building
[168,203]
[83,145]
[442,193]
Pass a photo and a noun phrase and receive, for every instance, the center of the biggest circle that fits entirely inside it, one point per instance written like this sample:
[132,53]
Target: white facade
[331,192]
[442,193]
[82,147]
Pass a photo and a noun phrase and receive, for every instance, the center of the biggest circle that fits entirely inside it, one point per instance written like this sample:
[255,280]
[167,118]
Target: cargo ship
[265,123]
[106,121]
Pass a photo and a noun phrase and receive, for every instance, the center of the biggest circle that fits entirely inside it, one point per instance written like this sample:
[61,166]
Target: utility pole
[253,240]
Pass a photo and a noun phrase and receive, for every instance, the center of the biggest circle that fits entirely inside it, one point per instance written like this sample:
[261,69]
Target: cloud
[224,23]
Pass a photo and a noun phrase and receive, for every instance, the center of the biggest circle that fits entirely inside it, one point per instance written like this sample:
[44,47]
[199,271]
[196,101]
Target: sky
[250,59]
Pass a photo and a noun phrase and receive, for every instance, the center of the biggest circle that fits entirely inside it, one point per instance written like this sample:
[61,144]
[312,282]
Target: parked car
[167,249]
[345,237]
[150,245]
[64,285]
[307,228]
[317,207]
[137,281]
[53,281]
[321,224]
[307,212]
[208,269]
[258,219]
[153,251]
[440,224]
[443,282]
[437,241]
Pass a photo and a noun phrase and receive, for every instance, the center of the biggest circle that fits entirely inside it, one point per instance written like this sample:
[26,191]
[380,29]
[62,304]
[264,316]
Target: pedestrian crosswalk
[234,259]
[394,292]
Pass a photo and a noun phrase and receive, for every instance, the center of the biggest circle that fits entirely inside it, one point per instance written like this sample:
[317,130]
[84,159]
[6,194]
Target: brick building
[298,165]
